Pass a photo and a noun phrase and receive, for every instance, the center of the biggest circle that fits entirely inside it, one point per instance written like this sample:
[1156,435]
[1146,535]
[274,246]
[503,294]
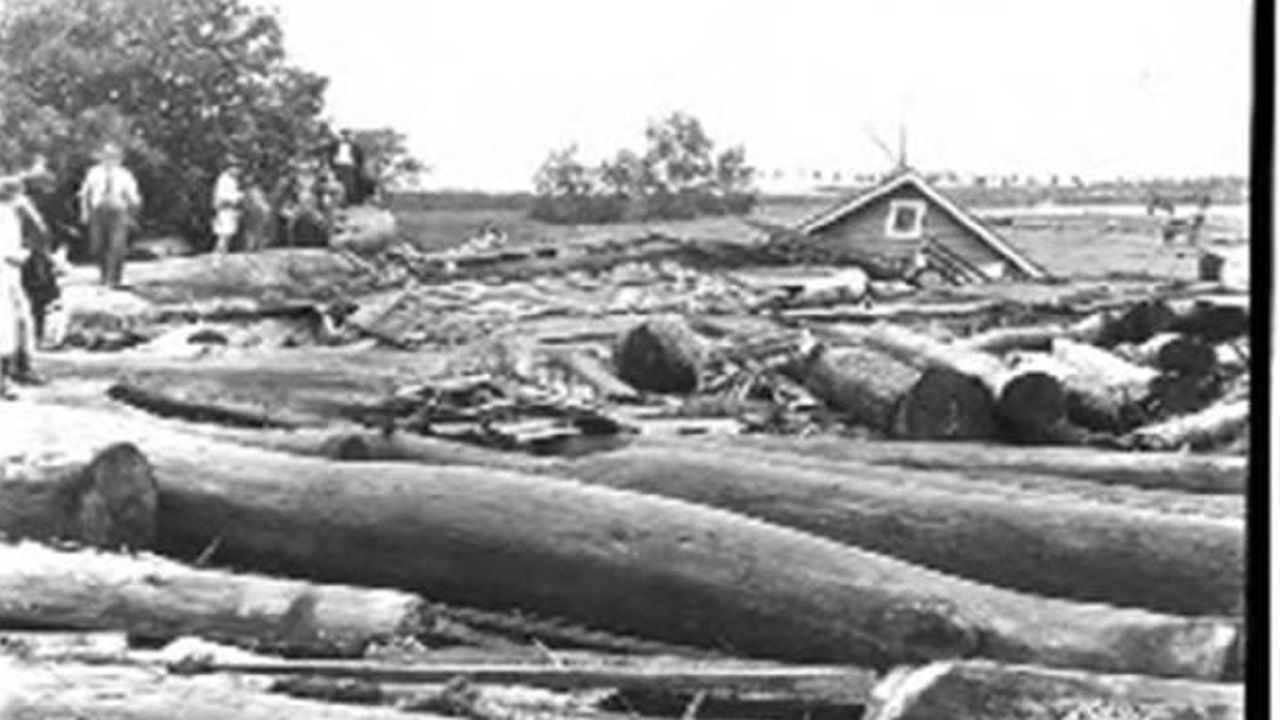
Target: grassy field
[1088,246]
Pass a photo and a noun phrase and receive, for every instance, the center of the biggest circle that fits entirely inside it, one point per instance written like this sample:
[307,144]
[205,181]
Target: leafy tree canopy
[181,84]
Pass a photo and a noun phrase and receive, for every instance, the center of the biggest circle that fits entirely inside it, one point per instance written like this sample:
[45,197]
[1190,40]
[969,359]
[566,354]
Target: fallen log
[586,368]
[626,563]
[1176,353]
[102,496]
[636,564]
[663,355]
[1155,470]
[1026,401]
[1213,319]
[873,389]
[1215,425]
[979,690]
[155,598]
[998,341]
[837,685]
[66,690]
[1053,546]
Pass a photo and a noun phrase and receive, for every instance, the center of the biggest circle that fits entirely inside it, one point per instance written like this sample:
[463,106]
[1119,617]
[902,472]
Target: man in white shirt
[109,199]
[227,199]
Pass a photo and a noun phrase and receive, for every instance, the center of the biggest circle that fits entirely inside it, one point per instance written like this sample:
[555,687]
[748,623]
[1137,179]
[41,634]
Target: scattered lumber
[662,355]
[156,598]
[979,690]
[1027,401]
[68,690]
[634,563]
[873,389]
[1198,473]
[84,493]
[1053,546]
[1215,425]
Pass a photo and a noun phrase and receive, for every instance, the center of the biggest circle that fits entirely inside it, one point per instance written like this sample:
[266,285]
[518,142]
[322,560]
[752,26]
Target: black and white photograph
[633,360]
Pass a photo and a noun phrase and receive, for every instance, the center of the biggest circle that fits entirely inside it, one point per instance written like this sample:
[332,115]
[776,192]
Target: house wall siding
[865,230]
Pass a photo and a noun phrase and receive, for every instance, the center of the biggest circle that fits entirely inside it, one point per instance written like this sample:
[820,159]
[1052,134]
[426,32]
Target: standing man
[227,198]
[109,201]
[346,157]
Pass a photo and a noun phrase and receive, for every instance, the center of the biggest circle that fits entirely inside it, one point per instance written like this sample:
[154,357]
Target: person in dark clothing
[346,158]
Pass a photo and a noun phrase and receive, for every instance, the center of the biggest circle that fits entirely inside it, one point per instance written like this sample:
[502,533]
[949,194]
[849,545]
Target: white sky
[486,88]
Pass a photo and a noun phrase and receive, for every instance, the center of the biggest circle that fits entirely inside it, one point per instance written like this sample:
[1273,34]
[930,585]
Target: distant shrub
[679,177]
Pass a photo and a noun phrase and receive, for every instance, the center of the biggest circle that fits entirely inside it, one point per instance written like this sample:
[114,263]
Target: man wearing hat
[109,199]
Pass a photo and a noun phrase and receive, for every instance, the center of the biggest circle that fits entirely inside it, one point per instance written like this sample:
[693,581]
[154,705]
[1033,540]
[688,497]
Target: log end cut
[115,499]
[661,355]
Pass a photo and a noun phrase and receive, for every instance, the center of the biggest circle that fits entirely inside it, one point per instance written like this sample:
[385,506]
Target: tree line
[680,174]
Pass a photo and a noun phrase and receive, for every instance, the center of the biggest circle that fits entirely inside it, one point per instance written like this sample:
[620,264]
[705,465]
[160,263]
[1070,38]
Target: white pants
[17,331]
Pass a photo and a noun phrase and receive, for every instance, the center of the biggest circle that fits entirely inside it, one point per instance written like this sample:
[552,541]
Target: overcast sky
[485,88]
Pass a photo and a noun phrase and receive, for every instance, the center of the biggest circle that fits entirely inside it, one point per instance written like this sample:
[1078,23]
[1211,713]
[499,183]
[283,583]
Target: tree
[181,84]
[563,175]
[387,157]
[679,153]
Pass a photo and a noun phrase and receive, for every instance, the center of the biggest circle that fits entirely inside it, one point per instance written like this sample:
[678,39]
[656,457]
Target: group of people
[299,212]
[301,208]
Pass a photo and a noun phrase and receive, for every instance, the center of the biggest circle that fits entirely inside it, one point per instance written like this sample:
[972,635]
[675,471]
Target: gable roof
[911,177]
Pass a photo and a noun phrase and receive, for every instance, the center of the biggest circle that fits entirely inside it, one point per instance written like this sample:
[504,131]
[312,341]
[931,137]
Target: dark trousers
[108,241]
[350,180]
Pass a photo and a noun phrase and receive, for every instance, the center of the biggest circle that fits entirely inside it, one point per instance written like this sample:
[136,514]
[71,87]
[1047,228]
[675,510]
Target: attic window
[906,219]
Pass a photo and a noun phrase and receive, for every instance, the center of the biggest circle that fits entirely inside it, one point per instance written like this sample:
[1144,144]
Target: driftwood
[67,690]
[872,388]
[635,564]
[148,596]
[1055,546]
[103,496]
[979,690]
[1199,473]
[1026,401]
[1213,319]
[1002,340]
[586,368]
[1215,425]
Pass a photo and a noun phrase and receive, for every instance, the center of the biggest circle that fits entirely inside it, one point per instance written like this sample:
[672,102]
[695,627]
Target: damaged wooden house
[908,224]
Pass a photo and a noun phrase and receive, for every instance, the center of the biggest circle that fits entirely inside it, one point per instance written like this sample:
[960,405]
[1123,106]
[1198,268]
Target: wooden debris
[66,690]
[587,368]
[86,493]
[1176,353]
[980,690]
[1216,425]
[155,598]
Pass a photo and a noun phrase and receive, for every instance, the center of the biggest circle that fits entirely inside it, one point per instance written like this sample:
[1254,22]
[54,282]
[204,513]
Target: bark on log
[152,597]
[637,564]
[102,496]
[979,690]
[64,690]
[873,389]
[1154,470]
[1217,424]
[1026,402]
[1091,402]
[1105,392]
[1047,546]
[1176,353]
